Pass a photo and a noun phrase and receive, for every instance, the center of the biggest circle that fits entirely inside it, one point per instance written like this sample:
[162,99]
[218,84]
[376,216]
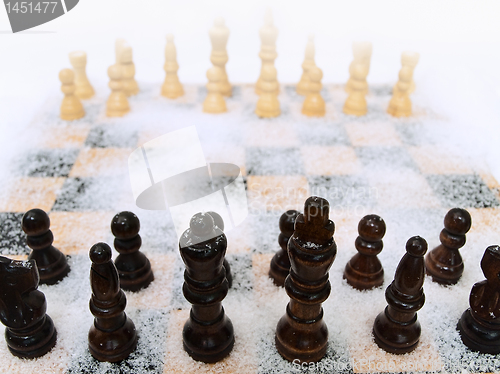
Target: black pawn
[112,337]
[208,333]
[219,222]
[280,263]
[444,263]
[364,270]
[479,325]
[134,269]
[52,264]
[396,329]
[30,332]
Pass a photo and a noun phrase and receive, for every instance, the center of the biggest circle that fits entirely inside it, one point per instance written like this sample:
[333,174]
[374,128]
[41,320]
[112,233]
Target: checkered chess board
[401,169]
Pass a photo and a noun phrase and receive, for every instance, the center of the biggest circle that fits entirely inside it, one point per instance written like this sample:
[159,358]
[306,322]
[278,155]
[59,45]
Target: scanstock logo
[24,15]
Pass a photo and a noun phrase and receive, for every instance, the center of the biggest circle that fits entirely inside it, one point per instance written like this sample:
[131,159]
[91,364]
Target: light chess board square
[373,164]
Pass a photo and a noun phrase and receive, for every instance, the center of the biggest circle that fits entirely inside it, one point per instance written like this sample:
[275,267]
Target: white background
[458,41]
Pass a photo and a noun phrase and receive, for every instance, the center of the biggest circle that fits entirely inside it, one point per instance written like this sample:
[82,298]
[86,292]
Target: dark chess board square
[12,237]
[111,136]
[336,359]
[382,157]
[273,161]
[323,134]
[47,163]
[343,190]
[148,357]
[265,231]
[413,134]
[241,270]
[464,191]
[87,194]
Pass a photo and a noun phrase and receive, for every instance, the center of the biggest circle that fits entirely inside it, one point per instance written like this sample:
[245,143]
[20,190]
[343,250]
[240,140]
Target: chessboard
[403,169]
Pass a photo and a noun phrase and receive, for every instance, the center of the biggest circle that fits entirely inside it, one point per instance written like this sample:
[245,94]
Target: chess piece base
[172,90]
[34,342]
[136,280]
[52,265]
[303,340]
[394,337]
[113,346]
[477,337]
[445,274]
[314,107]
[361,280]
[208,343]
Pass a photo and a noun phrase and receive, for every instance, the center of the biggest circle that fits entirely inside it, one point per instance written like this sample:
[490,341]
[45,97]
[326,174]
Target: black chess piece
[280,263]
[396,329]
[112,337]
[30,332]
[479,325]
[364,270]
[444,263]
[208,334]
[301,333]
[134,268]
[219,222]
[52,264]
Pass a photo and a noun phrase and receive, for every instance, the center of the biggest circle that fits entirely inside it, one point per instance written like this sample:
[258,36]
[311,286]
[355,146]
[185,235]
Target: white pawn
[117,104]
[308,63]
[214,102]
[130,86]
[355,103]
[362,52]
[268,35]
[268,105]
[314,104]
[84,89]
[400,104]
[171,87]
[219,35]
[410,60]
[71,107]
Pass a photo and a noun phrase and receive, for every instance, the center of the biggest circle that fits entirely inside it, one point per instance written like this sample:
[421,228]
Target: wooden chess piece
[410,60]
[396,329]
[400,104]
[219,35]
[84,89]
[134,269]
[280,263]
[479,326]
[71,106]
[112,337]
[117,104]
[51,263]
[268,35]
[364,270]
[129,84]
[355,103]
[219,222]
[208,334]
[301,333]
[214,102]
[303,85]
[171,87]
[29,332]
[362,52]
[268,105]
[444,263]
[119,45]
[314,105]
